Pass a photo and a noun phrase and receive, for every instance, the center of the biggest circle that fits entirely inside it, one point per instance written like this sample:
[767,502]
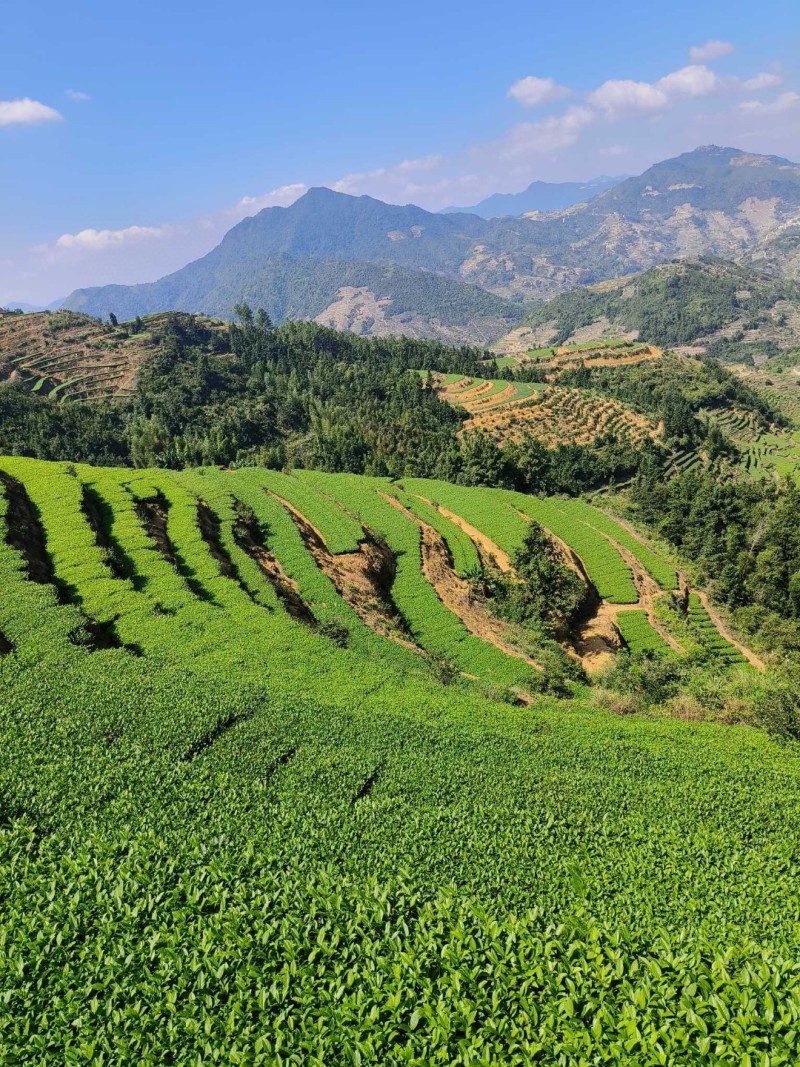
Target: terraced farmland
[598,353]
[773,453]
[554,414]
[245,816]
[563,415]
[66,355]
[779,385]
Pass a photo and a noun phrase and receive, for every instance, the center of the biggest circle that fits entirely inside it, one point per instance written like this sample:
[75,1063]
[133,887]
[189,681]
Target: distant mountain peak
[540,197]
[402,268]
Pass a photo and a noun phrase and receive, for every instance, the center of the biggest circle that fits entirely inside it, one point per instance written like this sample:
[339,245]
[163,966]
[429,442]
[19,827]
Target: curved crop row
[434,627]
[638,633]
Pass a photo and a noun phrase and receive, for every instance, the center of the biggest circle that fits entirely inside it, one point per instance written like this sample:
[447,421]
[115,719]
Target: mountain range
[358,263]
[539,196]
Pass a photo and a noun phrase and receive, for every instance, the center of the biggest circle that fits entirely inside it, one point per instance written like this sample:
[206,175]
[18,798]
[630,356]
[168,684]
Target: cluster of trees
[297,395]
[742,536]
[676,392]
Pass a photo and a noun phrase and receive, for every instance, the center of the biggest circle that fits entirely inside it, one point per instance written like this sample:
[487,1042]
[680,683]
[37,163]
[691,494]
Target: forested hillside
[305,396]
[736,309]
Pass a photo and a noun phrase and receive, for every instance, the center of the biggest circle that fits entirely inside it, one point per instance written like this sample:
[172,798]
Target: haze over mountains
[358,263]
[539,196]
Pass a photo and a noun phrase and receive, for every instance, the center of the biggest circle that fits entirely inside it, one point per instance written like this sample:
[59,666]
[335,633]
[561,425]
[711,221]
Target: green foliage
[671,304]
[638,633]
[464,555]
[605,566]
[544,592]
[741,536]
[229,838]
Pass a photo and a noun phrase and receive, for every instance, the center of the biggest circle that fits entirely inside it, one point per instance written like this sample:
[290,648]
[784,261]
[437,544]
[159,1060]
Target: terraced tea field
[780,386]
[247,817]
[774,453]
[67,356]
[554,414]
[600,353]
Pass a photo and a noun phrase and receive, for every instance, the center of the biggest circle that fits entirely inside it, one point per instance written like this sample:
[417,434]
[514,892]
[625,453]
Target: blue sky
[133,136]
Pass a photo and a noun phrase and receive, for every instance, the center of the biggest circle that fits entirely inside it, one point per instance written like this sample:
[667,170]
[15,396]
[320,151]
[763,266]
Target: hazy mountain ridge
[539,196]
[307,287]
[451,268]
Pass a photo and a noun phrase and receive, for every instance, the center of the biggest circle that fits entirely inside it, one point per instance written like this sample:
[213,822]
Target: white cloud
[283,196]
[391,181]
[622,97]
[77,95]
[26,112]
[549,135]
[784,102]
[532,91]
[700,53]
[99,240]
[762,80]
[695,80]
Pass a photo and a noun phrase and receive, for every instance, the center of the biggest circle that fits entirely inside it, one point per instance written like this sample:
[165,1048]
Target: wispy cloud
[702,53]
[784,102]
[763,80]
[396,178]
[533,91]
[77,96]
[283,196]
[98,240]
[541,138]
[26,112]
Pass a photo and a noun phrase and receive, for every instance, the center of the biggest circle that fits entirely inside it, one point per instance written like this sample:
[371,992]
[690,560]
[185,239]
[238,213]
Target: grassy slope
[249,845]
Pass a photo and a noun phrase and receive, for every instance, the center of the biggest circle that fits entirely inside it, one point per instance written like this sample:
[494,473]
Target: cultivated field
[554,414]
[246,815]
[599,353]
[68,356]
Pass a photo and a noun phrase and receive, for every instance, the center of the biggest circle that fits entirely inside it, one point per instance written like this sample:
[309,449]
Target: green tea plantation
[271,793]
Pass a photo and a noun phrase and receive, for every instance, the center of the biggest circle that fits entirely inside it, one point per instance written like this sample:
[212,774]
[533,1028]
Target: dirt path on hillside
[455,593]
[713,614]
[363,579]
[487,549]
